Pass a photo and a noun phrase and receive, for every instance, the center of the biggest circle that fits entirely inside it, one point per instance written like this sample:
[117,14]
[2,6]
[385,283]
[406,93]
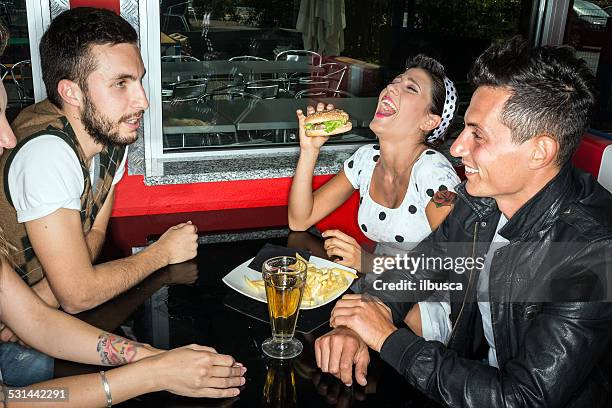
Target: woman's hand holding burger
[311,143]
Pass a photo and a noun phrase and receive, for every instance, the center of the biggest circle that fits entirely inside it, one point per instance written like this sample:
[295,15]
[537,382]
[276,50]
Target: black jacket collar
[536,213]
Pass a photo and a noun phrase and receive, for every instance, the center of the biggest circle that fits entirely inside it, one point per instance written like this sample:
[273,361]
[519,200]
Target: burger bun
[322,116]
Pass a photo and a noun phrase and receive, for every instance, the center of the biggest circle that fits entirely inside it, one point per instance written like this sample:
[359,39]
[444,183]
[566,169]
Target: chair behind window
[178,58]
[22,77]
[334,72]
[228,95]
[191,11]
[189,90]
[308,83]
[225,88]
[314,58]
[323,93]
[247,58]
[266,89]
[240,77]
[178,10]
[5,13]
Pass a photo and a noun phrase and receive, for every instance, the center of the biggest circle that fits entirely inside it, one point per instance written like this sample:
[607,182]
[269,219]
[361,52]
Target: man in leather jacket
[546,319]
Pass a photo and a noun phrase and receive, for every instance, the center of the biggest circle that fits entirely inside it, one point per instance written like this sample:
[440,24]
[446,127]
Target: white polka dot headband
[450,102]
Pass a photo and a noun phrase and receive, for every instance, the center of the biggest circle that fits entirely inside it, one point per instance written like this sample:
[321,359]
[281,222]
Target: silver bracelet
[109,398]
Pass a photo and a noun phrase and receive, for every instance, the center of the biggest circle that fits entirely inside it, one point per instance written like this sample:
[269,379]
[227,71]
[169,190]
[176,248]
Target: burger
[327,123]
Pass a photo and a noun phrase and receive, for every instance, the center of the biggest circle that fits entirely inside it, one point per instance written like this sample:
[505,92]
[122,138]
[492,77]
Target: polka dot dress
[398,229]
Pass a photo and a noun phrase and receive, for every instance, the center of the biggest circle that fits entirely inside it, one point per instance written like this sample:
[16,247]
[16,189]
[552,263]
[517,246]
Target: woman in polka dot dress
[406,188]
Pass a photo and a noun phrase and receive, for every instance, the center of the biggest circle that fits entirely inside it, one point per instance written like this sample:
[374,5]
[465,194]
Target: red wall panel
[113,5]
[133,199]
[589,153]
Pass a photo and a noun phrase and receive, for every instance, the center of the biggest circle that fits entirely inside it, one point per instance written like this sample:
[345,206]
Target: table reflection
[279,389]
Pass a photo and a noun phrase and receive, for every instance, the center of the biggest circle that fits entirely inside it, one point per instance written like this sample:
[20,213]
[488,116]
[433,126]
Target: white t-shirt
[46,175]
[483,291]
[398,229]
[435,321]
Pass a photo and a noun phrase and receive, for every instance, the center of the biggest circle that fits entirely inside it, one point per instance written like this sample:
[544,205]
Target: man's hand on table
[178,243]
[337,351]
[197,371]
[367,316]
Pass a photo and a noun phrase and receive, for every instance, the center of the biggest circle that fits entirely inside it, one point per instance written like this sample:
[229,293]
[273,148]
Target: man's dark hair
[436,73]
[65,48]
[552,91]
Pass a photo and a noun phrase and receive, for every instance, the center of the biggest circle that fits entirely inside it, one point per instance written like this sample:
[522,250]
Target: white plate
[235,280]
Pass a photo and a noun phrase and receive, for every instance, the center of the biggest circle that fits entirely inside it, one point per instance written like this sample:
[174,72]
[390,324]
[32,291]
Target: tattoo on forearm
[116,350]
[444,198]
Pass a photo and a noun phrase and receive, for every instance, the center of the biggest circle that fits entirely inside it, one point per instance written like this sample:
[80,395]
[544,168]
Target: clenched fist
[179,243]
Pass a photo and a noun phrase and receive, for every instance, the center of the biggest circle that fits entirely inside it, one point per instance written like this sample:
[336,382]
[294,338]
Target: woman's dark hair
[436,73]
[552,91]
[65,48]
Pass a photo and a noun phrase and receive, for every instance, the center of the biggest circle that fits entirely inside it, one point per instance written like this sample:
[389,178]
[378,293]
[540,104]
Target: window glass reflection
[589,30]
[16,69]
[235,71]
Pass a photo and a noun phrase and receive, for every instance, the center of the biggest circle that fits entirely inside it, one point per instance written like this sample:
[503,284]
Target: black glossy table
[210,313]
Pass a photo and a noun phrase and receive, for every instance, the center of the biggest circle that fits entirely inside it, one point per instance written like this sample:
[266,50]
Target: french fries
[255,284]
[321,283]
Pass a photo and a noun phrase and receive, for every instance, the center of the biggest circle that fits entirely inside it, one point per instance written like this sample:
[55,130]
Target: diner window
[589,30]
[16,69]
[234,72]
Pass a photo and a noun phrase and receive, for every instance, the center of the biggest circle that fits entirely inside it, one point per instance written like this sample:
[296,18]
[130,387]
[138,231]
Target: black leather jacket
[549,348]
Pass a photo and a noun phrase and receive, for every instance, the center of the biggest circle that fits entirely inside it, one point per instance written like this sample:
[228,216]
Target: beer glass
[284,278]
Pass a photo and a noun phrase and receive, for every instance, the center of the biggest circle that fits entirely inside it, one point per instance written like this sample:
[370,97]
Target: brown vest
[44,118]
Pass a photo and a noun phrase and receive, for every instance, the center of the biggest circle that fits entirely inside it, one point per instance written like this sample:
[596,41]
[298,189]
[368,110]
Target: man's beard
[101,128]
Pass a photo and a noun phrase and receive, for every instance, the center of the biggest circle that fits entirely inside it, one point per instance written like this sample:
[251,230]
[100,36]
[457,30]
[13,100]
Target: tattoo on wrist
[116,350]
[444,198]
